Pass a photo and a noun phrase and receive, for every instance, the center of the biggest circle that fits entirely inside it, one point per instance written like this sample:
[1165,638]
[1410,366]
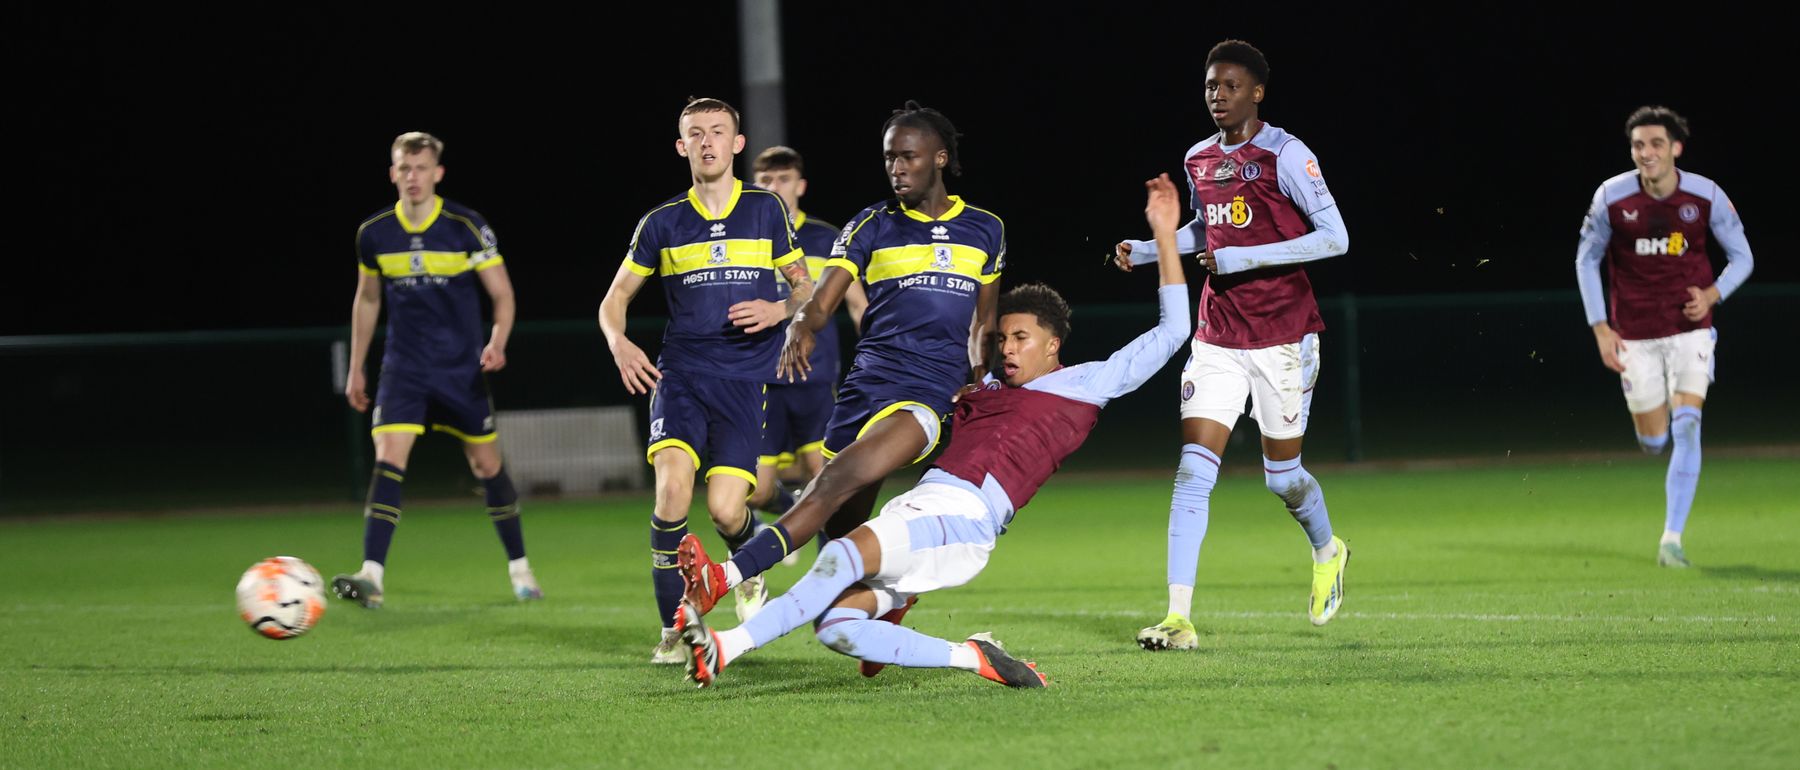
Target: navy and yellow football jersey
[709,262]
[429,284]
[815,239]
[922,276]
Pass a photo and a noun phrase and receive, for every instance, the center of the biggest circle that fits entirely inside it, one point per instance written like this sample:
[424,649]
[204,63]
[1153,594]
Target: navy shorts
[453,401]
[868,398]
[798,414]
[698,413]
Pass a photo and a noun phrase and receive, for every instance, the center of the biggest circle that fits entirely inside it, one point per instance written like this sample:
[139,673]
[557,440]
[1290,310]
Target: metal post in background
[765,101]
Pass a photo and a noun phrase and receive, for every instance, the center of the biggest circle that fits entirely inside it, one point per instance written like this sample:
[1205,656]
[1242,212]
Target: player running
[1654,229]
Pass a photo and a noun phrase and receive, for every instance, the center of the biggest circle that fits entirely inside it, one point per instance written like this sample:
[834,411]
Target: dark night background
[177,171]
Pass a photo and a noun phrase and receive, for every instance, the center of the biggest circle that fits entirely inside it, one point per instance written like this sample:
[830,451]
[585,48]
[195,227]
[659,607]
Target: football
[281,597]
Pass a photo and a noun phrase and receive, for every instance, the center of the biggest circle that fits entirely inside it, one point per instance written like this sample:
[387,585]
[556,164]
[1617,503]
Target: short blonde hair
[418,141]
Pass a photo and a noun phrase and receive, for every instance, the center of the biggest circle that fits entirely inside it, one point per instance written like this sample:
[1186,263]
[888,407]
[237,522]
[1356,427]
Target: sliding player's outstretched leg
[888,445]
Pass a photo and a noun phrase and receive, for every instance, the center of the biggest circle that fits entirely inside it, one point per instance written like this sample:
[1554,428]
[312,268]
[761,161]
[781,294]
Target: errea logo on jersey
[718,230]
[1237,213]
[1674,246]
[940,233]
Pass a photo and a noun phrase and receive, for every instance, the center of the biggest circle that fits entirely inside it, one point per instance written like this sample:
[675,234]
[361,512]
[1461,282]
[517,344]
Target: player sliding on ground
[1008,436]
[930,264]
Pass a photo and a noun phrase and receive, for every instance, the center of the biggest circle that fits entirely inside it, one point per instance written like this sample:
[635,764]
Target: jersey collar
[437,207]
[956,207]
[737,189]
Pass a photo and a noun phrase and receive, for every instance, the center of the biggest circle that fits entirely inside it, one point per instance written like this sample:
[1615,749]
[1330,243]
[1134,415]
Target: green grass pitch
[1508,616]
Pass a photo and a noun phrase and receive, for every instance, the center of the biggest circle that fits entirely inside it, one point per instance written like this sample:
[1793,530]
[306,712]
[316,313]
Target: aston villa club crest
[716,254]
[1226,170]
[1689,212]
[1252,172]
[941,259]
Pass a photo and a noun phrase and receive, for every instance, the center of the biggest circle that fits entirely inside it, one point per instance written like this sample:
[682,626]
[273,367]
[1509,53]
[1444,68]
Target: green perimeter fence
[215,418]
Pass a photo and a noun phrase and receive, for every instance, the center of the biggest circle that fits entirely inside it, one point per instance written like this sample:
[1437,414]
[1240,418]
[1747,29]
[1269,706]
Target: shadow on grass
[1751,572]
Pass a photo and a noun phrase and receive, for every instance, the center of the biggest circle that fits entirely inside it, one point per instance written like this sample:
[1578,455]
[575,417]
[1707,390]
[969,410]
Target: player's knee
[1685,427]
[1653,445]
[484,467]
[840,635]
[1192,469]
[838,481]
[1291,486]
[673,497]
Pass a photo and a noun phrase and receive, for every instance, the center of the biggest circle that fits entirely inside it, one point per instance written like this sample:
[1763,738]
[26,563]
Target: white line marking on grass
[1426,616]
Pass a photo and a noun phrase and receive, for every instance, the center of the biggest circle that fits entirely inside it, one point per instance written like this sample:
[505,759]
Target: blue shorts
[455,402]
[722,417]
[868,398]
[798,414]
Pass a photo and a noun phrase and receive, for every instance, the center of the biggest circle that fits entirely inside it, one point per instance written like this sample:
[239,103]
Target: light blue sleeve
[1188,239]
[1101,381]
[1596,233]
[1728,230]
[1303,183]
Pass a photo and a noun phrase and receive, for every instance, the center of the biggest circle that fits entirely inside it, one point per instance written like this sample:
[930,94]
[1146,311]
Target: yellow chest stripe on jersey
[731,252]
[445,263]
[912,259]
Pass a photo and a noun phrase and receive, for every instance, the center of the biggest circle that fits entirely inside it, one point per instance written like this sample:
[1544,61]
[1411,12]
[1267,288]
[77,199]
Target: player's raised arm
[1188,240]
[1163,210]
[635,369]
[1132,365]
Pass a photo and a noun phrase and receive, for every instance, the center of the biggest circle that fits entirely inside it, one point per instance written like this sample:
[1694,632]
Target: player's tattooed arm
[802,284]
[796,352]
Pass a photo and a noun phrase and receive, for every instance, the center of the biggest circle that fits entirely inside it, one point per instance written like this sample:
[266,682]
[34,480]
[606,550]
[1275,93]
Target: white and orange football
[281,597]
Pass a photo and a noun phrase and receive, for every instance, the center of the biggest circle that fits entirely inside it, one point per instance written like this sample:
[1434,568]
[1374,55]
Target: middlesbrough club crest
[941,258]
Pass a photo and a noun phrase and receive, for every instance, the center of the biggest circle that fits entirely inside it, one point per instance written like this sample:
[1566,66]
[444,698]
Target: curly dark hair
[1041,301]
